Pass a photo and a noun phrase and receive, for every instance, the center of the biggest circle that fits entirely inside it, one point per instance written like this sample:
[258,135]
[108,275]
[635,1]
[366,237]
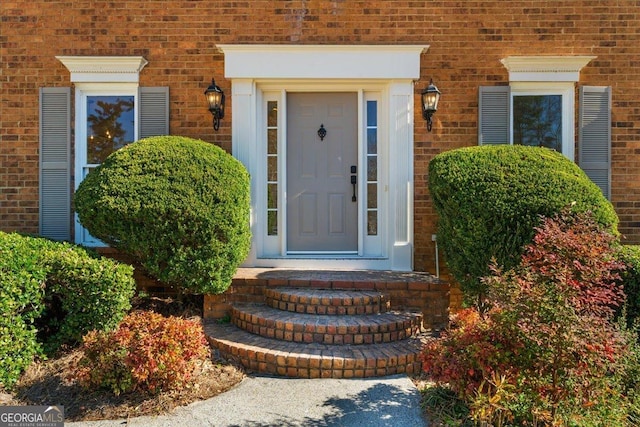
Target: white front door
[322,165]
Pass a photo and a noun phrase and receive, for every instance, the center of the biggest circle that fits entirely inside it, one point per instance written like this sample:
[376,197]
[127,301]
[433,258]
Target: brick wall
[179,38]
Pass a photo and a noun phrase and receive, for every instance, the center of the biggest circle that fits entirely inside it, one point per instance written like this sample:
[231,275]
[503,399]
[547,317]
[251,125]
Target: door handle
[354,181]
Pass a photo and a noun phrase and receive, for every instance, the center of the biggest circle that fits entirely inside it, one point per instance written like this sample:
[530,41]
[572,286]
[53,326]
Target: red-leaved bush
[148,352]
[549,332]
[473,349]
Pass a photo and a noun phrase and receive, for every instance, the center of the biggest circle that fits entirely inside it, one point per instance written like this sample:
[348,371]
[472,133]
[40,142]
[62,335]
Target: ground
[50,381]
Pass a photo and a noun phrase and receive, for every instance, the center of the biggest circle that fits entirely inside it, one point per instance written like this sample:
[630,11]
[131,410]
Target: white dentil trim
[545,68]
[97,69]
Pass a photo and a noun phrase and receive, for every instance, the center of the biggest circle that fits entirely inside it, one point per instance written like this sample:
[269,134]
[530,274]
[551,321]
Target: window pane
[272,168]
[372,141]
[372,196]
[272,141]
[372,168]
[372,113]
[537,121]
[110,125]
[272,223]
[372,223]
[272,196]
[272,113]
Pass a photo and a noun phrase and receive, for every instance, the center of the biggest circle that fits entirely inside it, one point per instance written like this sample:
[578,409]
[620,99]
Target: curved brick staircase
[321,333]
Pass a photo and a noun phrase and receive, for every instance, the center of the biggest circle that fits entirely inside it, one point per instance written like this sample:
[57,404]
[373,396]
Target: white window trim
[545,68]
[548,75]
[104,69]
[84,90]
[98,76]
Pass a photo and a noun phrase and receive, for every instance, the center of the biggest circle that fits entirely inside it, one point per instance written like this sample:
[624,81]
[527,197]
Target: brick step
[315,360]
[327,301]
[325,329]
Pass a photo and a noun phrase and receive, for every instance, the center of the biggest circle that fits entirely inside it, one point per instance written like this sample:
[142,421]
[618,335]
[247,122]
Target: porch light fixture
[215,98]
[430,98]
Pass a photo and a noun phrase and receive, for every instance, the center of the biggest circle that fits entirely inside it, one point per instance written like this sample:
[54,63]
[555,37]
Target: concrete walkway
[261,401]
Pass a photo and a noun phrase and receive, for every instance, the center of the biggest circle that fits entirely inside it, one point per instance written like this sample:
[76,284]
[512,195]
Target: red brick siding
[179,38]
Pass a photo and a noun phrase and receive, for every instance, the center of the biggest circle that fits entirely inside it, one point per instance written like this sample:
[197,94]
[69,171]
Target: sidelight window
[272,168]
[372,168]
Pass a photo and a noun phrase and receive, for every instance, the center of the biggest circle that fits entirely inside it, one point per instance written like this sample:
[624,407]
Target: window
[537,109]
[543,116]
[372,168]
[111,111]
[272,168]
[537,121]
[106,120]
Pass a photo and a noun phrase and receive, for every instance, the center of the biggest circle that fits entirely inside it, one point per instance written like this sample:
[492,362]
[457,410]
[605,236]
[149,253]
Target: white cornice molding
[545,68]
[322,61]
[104,69]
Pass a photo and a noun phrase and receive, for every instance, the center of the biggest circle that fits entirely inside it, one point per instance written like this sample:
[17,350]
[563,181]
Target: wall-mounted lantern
[430,98]
[215,98]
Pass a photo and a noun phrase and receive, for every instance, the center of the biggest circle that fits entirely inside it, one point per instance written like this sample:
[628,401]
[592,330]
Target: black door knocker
[322,132]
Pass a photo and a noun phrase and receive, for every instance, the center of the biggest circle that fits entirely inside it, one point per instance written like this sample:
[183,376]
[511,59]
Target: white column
[244,140]
[401,174]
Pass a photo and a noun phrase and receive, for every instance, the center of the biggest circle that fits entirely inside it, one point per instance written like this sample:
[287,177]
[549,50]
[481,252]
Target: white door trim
[388,70]
[322,61]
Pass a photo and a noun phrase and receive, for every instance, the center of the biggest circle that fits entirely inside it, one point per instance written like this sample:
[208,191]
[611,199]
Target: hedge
[53,293]
[490,198]
[179,206]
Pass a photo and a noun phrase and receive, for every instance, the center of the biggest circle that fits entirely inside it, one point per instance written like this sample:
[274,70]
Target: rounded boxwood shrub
[490,198]
[179,206]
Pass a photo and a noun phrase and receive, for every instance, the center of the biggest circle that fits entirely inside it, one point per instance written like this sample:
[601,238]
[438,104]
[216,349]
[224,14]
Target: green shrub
[148,352]
[630,256]
[53,293]
[84,292]
[178,205]
[489,199]
[22,279]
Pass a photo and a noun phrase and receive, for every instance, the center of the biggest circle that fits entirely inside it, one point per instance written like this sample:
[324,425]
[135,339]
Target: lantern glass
[430,98]
[214,98]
